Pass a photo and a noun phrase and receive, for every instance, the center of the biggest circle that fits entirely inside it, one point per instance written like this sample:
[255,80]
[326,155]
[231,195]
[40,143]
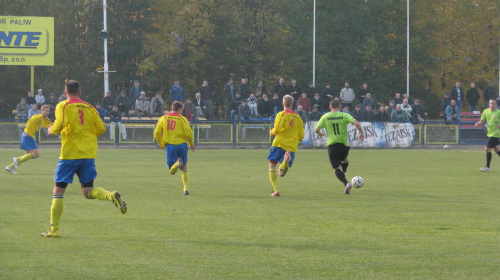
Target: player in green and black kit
[335,123]
[491,117]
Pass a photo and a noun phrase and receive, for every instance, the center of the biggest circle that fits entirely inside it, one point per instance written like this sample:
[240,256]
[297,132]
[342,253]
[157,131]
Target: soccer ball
[357,182]
[446,147]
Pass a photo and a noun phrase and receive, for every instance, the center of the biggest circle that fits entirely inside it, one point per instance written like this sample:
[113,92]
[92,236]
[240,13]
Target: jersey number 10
[171,125]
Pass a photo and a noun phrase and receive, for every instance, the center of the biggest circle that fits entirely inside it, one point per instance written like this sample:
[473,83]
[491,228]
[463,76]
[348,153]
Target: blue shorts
[83,168]
[277,154]
[27,142]
[174,152]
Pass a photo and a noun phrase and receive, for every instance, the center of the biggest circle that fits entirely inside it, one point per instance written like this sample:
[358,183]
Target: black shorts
[493,142]
[337,153]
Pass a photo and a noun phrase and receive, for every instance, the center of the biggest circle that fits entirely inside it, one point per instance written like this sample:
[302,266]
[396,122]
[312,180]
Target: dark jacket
[326,98]
[235,104]
[281,90]
[454,94]
[245,90]
[230,91]
[488,93]
[472,96]
[368,116]
[265,107]
[177,93]
[134,94]
[314,116]
[382,117]
[206,93]
[358,115]
[107,103]
[115,116]
[125,104]
[444,103]
[295,92]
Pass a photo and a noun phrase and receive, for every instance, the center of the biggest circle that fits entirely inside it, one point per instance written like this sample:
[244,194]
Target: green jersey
[492,120]
[335,124]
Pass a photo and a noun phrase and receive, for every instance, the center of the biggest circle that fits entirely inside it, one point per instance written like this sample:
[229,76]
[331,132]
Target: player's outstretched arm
[479,123]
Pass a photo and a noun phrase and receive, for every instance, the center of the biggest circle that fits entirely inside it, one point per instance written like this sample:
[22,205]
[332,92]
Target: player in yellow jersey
[28,143]
[335,123]
[288,131]
[79,125]
[172,132]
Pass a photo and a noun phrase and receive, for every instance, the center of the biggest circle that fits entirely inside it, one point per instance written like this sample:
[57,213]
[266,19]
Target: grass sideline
[422,214]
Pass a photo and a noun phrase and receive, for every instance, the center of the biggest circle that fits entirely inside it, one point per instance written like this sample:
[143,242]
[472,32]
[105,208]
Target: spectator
[30,99]
[362,93]
[305,102]
[33,111]
[418,114]
[399,115]
[301,112]
[276,104]
[244,110]
[472,97]
[157,107]
[22,110]
[457,94]
[186,113]
[311,91]
[295,91]
[444,104]
[397,99]
[368,100]
[52,102]
[199,105]
[327,95]
[189,106]
[382,115]
[100,110]
[314,115]
[107,102]
[177,92]
[357,113]
[453,112]
[135,93]
[230,93]
[123,103]
[280,88]
[407,107]
[61,98]
[206,96]
[115,118]
[235,105]
[317,101]
[265,106]
[368,114]
[39,98]
[142,106]
[347,95]
[245,88]
[253,103]
[346,110]
[410,101]
[392,107]
[488,94]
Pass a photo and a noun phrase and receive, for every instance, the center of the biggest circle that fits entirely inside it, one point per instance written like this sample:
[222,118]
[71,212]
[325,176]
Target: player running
[288,131]
[171,133]
[335,123]
[491,117]
[28,143]
[79,125]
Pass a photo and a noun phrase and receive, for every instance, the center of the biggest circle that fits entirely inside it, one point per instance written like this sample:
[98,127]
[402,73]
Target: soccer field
[422,214]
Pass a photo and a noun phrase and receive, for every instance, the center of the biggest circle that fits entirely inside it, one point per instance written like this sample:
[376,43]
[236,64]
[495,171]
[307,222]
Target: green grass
[422,214]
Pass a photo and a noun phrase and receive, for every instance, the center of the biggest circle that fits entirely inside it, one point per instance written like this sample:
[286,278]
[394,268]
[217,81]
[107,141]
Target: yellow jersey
[34,124]
[80,125]
[288,129]
[174,129]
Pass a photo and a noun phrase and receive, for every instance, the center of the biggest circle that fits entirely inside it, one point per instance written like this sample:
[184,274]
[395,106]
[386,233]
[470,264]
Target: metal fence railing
[240,134]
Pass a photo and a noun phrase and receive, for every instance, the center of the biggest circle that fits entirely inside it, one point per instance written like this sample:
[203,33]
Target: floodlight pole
[314,45]
[106,73]
[408,48]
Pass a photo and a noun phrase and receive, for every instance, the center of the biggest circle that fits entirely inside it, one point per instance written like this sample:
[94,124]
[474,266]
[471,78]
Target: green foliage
[409,221]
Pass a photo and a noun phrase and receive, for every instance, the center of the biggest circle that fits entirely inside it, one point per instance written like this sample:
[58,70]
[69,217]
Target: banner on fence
[377,135]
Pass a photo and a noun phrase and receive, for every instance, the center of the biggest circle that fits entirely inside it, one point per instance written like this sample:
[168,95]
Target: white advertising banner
[377,135]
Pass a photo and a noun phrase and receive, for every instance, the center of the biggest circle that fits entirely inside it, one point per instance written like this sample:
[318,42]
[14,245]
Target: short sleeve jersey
[335,124]
[80,125]
[34,124]
[289,130]
[174,129]
[492,119]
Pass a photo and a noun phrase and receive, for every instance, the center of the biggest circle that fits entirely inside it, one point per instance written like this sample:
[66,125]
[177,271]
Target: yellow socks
[99,193]
[24,158]
[274,179]
[56,212]
[185,180]
[173,169]
[284,165]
